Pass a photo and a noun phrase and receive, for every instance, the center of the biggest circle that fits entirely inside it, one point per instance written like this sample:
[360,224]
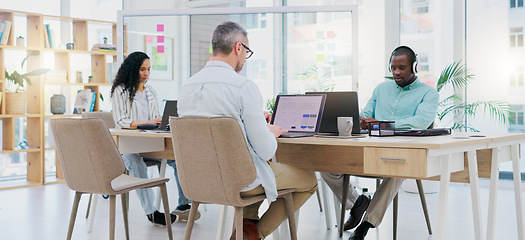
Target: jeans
[137,168]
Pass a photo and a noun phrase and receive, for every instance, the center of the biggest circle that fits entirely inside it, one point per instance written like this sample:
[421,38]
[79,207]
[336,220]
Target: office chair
[218,145]
[91,163]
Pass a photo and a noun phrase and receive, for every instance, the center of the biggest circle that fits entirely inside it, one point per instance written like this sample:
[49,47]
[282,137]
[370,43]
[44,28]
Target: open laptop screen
[339,104]
[298,113]
[170,109]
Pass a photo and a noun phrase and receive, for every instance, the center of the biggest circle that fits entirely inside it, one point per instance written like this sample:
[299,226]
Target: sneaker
[183,212]
[158,219]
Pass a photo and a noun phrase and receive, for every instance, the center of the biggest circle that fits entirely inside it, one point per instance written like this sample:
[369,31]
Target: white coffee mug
[344,125]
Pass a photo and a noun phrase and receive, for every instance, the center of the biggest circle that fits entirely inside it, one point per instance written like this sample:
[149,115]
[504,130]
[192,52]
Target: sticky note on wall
[160,39]
[149,38]
[160,49]
[160,27]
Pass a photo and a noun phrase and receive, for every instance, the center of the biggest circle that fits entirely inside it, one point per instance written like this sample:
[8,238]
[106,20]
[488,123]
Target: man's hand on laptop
[276,130]
[267,116]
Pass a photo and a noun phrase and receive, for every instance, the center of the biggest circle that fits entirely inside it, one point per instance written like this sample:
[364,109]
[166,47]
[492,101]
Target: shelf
[62,116]
[19,115]
[20,150]
[79,84]
[35,125]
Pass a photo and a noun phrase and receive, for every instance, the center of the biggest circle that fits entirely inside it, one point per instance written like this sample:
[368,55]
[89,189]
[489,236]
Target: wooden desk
[407,157]
[418,158]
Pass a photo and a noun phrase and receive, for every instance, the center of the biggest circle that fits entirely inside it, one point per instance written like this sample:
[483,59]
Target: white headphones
[414,64]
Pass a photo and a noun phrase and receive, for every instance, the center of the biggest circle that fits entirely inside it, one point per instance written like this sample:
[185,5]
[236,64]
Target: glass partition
[294,51]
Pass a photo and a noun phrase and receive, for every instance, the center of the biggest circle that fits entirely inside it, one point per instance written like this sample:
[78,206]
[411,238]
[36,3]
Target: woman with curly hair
[134,102]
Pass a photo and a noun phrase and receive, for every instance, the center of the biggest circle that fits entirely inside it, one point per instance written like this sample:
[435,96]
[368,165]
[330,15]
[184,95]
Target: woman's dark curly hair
[128,74]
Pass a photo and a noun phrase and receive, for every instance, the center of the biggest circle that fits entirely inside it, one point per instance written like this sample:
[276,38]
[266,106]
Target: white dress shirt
[217,90]
[125,112]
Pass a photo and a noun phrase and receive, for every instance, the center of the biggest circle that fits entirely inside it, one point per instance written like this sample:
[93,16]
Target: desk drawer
[400,162]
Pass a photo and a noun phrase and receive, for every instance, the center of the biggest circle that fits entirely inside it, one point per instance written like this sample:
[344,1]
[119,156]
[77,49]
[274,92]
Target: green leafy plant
[270,105]
[457,75]
[18,80]
[320,77]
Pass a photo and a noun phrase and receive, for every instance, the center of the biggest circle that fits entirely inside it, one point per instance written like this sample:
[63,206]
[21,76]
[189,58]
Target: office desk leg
[474,192]
[517,188]
[494,177]
[162,173]
[443,196]
[346,178]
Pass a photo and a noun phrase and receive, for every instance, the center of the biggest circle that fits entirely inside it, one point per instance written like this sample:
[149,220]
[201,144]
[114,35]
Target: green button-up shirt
[414,106]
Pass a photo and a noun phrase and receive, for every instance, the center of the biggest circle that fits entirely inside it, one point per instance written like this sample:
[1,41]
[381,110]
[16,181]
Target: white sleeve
[259,136]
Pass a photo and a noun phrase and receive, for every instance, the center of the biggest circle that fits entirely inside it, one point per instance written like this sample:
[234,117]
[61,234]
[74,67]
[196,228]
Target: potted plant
[15,96]
[457,75]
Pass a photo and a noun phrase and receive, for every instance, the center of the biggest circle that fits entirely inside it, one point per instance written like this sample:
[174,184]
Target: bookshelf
[27,156]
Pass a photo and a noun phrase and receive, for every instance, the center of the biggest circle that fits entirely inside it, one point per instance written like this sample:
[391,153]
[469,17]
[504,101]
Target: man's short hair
[404,50]
[225,35]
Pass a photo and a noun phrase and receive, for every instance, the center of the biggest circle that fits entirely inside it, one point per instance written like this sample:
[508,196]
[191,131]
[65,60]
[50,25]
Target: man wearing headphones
[408,102]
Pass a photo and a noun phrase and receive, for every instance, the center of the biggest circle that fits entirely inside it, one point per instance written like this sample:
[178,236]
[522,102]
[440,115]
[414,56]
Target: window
[256,21]
[256,69]
[517,118]
[516,77]
[516,3]
[516,37]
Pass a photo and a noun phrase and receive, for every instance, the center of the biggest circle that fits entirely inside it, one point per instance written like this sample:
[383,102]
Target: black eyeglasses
[249,52]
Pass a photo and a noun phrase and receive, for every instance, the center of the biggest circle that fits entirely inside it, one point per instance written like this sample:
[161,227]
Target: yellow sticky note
[210,50]
[320,57]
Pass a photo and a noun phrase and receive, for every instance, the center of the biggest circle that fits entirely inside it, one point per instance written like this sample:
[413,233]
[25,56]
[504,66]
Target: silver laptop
[299,114]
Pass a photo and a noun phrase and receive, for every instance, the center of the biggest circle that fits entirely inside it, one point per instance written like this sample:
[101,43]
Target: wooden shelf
[62,116]
[37,94]
[19,115]
[20,150]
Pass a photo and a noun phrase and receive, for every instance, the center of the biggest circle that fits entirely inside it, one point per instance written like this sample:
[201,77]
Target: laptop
[170,109]
[339,104]
[299,114]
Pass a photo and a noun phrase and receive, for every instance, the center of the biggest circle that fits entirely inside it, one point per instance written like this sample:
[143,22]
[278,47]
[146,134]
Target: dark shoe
[249,231]
[357,235]
[157,218]
[183,212]
[356,214]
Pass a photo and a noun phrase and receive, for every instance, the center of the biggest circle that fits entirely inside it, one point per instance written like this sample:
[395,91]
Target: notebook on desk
[299,114]
[339,104]
[170,109]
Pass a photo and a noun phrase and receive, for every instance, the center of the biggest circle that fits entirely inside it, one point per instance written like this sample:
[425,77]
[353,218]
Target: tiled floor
[43,213]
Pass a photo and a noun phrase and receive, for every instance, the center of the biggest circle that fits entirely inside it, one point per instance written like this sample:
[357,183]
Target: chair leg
[424,204]
[123,198]
[288,199]
[395,216]
[238,223]
[112,204]
[162,173]
[319,200]
[164,194]
[191,220]
[89,205]
[73,215]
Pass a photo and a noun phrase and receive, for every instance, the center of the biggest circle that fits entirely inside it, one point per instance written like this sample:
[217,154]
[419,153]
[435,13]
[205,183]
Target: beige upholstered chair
[217,147]
[107,117]
[91,163]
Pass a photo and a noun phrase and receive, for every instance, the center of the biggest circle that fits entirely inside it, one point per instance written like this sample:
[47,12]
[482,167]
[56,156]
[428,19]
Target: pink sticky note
[160,49]
[330,34]
[160,27]
[160,39]
[210,59]
[149,38]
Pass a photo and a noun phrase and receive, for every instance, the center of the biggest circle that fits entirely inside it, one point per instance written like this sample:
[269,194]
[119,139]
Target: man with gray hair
[218,90]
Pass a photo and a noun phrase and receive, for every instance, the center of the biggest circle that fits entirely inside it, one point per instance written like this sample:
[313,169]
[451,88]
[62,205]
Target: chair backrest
[213,160]
[107,117]
[87,153]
